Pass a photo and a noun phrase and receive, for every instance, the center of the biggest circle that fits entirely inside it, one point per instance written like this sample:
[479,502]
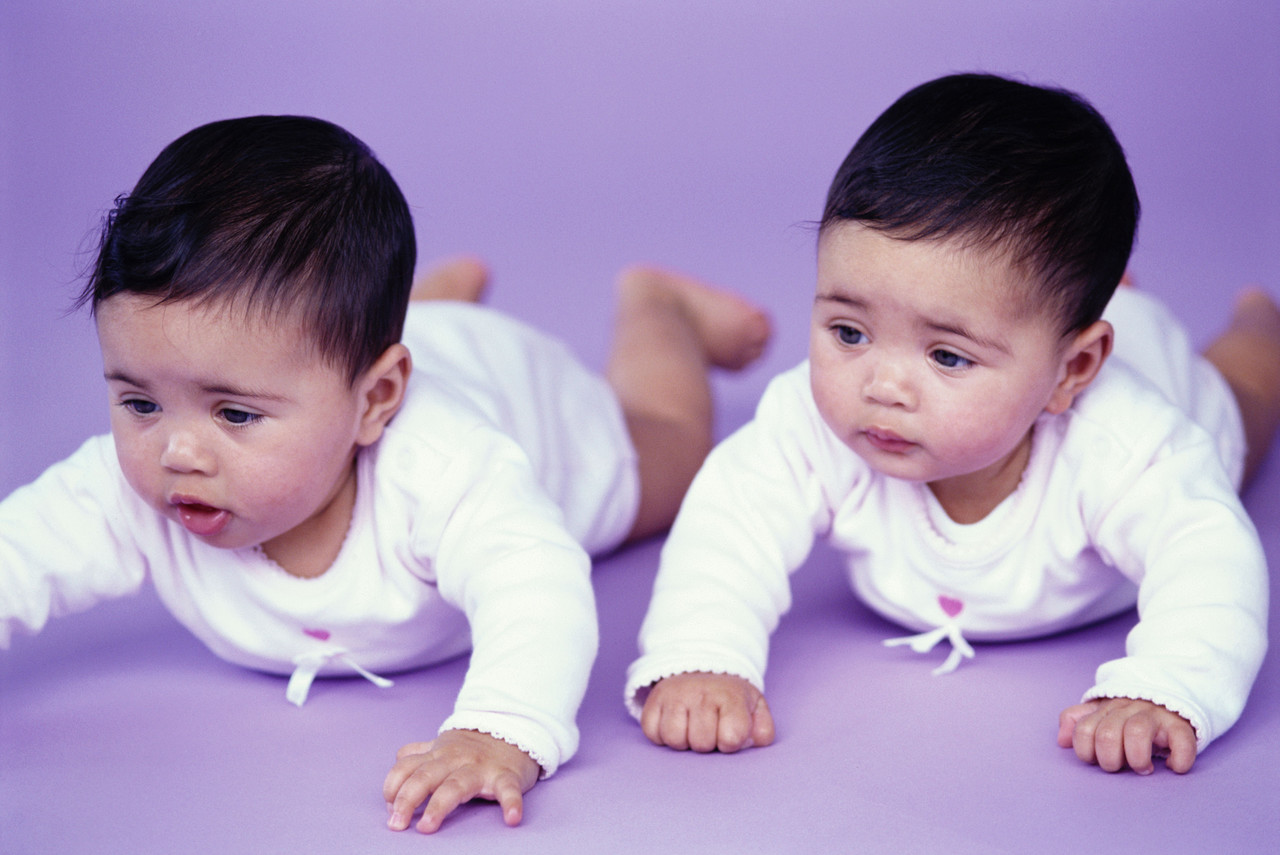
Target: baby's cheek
[986,443]
[835,409]
[283,492]
[277,496]
[141,475]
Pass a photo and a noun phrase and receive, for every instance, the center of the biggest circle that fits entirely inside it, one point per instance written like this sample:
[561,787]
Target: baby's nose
[184,452]
[889,384]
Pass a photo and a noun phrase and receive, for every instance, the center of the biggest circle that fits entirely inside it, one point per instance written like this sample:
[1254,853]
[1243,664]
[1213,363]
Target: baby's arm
[70,539]
[748,521]
[706,712]
[506,561]
[452,769]
[1179,531]
[1118,732]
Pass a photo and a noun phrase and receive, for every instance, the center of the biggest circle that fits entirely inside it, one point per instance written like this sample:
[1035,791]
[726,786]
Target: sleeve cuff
[527,735]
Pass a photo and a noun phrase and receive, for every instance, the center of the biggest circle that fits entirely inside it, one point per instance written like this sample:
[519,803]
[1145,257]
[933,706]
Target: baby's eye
[849,335]
[947,359]
[140,407]
[238,417]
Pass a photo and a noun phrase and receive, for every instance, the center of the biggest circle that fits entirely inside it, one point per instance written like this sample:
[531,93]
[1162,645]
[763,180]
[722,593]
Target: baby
[317,484]
[995,456]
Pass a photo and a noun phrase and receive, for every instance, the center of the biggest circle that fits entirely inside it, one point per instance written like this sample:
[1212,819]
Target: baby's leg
[1248,356]
[459,278]
[670,331]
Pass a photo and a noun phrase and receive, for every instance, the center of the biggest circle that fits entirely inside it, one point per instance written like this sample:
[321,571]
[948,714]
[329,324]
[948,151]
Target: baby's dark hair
[281,216]
[1031,171]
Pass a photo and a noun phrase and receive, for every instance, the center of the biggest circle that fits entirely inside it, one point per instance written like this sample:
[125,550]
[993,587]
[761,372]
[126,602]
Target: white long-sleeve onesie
[1124,499]
[467,533]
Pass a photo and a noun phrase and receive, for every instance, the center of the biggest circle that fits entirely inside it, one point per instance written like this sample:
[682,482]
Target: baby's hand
[706,712]
[455,767]
[1115,732]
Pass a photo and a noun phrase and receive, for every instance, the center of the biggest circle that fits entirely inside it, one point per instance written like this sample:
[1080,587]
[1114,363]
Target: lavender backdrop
[561,140]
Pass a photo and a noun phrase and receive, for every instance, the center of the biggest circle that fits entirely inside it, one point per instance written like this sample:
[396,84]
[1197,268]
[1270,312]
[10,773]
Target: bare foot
[462,278]
[1257,312]
[732,331]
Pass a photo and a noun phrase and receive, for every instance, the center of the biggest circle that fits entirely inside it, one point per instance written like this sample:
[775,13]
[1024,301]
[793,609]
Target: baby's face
[229,426]
[919,360]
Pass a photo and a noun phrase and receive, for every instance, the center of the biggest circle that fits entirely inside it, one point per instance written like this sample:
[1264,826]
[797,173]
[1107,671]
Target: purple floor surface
[561,141]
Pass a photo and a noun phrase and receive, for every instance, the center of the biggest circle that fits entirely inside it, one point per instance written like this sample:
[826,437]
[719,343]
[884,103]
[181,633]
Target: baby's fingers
[744,724]
[1068,720]
[456,767]
[712,728]
[1079,727]
[1138,735]
[762,730]
[706,712]
[466,784]
[1118,732]
[651,721]
[1179,739]
[672,727]
[408,785]
[510,798]
[403,768]
[460,787]
[703,728]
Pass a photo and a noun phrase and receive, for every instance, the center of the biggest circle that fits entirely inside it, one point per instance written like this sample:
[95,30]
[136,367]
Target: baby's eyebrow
[121,377]
[964,332]
[210,388]
[839,298]
[240,392]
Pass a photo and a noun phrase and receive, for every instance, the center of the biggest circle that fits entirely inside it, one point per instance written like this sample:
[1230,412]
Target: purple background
[561,141]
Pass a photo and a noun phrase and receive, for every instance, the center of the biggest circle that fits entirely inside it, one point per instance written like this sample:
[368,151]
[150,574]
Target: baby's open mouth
[202,520]
[887,440]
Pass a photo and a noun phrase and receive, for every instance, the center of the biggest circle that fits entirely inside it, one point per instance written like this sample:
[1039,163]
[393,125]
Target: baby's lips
[202,520]
[887,440]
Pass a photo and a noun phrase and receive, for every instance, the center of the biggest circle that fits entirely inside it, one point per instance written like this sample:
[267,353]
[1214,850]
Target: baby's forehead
[980,266]
[286,330]
[985,259]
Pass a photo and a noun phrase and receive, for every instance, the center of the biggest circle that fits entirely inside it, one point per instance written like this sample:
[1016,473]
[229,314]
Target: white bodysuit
[1124,500]
[470,520]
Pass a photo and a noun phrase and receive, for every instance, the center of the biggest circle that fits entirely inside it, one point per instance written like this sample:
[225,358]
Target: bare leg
[1248,356]
[459,278]
[671,330]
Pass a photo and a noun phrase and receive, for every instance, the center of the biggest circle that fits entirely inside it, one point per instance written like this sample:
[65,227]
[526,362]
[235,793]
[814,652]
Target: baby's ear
[1081,361]
[381,391]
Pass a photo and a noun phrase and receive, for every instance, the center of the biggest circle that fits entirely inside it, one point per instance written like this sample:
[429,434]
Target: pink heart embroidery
[951,605]
[318,634]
